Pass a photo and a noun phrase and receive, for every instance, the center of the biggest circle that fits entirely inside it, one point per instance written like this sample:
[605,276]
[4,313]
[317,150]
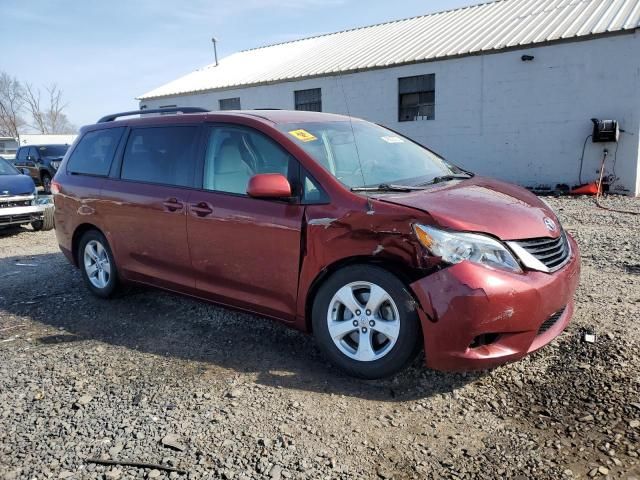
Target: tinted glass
[360,153]
[234,155]
[229,103]
[164,155]
[94,152]
[32,153]
[22,154]
[311,191]
[53,150]
[7,169]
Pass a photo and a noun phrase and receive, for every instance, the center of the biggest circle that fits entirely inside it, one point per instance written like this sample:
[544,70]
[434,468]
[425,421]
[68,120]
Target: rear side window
[22,154]
[164,155]
[94,152]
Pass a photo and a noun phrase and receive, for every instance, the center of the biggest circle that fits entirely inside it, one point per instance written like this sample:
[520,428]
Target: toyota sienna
[332,225]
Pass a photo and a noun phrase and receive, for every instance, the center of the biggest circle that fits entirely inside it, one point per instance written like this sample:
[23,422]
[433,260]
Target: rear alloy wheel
[97,264]
[365,322]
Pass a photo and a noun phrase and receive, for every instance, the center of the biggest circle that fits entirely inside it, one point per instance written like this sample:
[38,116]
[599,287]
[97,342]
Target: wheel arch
[77,235]
[395,267]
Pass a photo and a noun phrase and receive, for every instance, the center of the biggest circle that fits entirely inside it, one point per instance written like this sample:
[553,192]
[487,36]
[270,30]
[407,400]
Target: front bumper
[467,302]
[20,215]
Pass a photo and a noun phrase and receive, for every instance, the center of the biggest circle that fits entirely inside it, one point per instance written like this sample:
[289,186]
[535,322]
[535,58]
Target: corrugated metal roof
[466,31]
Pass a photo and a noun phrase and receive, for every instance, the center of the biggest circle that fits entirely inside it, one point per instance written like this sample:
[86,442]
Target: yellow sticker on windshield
[303,135]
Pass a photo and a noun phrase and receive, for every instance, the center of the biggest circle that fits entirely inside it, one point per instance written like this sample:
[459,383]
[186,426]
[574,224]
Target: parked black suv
[42,161]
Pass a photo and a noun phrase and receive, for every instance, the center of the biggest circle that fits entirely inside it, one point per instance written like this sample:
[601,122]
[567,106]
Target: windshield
[53,150]
[7,169]
[377,156]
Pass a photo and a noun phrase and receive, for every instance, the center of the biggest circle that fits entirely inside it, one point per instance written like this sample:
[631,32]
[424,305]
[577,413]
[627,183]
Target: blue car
[19,202]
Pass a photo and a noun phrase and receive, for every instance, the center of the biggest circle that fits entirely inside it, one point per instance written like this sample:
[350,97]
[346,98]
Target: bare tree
[12,106]
[50,118]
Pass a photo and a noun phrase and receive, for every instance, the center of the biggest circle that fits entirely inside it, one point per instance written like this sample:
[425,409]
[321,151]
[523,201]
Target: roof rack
[112,117]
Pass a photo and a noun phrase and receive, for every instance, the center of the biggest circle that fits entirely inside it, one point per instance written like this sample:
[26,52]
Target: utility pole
[215,50]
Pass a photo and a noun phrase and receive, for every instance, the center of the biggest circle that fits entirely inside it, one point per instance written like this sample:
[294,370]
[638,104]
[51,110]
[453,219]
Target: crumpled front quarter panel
[374,231]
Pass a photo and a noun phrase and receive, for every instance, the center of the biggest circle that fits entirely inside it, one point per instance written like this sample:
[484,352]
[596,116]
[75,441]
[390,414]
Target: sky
[105,53]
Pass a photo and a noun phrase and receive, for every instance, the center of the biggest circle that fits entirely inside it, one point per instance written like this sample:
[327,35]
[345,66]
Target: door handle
[201,209]
[173,205]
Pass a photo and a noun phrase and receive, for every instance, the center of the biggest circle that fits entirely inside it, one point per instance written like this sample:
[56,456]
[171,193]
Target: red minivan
[329,224]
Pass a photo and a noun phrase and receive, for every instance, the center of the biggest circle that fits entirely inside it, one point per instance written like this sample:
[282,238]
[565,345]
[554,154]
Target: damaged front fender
[376,232]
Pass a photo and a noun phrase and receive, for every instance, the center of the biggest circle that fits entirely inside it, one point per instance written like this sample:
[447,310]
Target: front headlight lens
[455,247]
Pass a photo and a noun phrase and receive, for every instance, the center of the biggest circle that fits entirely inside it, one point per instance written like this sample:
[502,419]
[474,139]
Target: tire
[383,354]
[47,222]
[103,282]
[45,179]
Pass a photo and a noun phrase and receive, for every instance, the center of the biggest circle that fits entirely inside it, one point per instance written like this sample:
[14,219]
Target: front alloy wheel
[365,321]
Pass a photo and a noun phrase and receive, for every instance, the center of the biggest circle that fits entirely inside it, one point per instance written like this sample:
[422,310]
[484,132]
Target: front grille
[8,220]
[551,321]
[552,252]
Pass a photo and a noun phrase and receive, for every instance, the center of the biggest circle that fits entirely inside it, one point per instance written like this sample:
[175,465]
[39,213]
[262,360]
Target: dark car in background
[19,202]
[42,161]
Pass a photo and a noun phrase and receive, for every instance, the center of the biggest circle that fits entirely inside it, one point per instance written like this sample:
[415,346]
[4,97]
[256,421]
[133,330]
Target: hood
[15,185]
[483,205]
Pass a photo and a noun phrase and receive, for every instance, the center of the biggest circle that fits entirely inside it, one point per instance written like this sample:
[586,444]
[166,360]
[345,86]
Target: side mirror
[269,185]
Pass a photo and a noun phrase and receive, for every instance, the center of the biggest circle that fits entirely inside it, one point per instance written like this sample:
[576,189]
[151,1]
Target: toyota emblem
[551,225]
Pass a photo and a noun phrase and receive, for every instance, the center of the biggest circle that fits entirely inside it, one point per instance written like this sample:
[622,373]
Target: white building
[505,89]
[46,139]
[8,147]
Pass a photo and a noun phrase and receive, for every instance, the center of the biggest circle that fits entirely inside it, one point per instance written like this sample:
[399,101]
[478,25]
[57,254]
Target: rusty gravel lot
[241,397]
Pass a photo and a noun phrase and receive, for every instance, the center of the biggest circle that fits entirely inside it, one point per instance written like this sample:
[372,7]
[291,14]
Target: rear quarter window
[94,153]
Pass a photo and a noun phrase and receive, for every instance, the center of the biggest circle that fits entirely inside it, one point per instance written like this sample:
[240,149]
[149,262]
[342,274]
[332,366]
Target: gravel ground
[151,377]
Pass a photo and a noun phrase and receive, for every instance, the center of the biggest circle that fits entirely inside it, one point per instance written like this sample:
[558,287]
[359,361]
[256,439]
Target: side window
[164,155]
[33,154]
[22,154]
[94,153]
[312,192]
[235,154]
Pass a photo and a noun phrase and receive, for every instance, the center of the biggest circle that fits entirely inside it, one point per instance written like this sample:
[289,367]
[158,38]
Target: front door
[245,251]
[145,208]
[27,158]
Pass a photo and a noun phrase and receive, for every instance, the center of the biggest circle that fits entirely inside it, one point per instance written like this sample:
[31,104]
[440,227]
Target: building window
[229,103]
[309,100]
[417,98]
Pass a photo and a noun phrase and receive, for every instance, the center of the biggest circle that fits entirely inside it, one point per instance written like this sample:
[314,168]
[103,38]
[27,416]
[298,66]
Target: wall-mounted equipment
[527,58]
[605,131]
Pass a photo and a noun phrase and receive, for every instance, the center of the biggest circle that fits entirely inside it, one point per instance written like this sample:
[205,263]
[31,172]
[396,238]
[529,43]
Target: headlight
[55,164]
[454,247]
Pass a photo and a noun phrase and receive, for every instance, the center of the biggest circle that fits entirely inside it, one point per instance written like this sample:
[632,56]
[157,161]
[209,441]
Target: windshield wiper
[387,187]
[446,178]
